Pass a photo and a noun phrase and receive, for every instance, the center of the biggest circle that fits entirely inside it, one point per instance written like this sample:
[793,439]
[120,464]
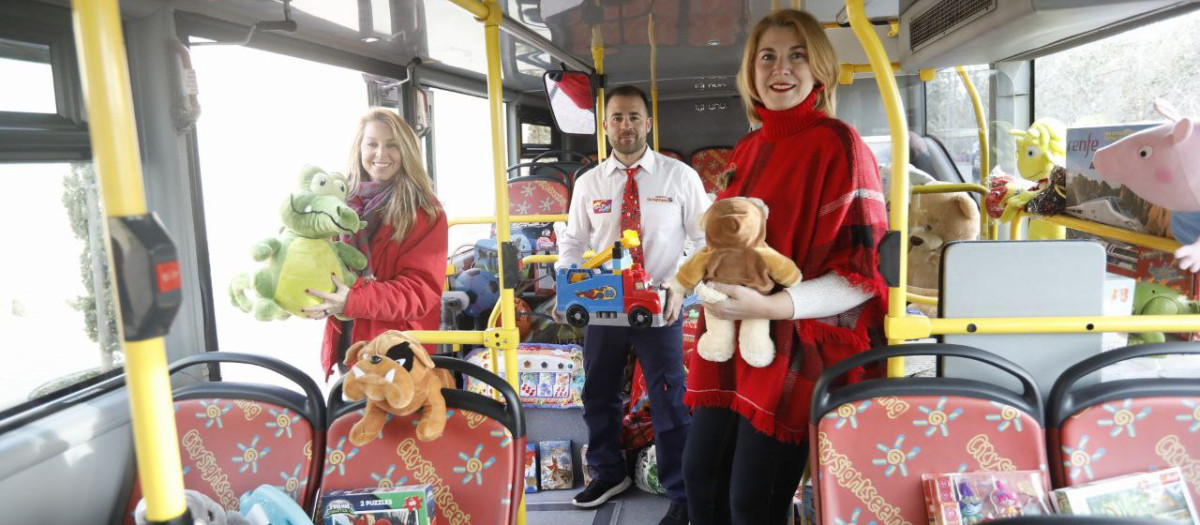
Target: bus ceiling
[699,43]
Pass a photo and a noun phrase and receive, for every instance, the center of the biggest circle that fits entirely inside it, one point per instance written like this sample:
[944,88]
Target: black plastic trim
[1066,399]
[823,400]
[249,391]
[313,408]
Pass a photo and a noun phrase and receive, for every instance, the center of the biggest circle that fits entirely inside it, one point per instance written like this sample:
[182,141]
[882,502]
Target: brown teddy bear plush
[735,252]
[935,219]
[395,375]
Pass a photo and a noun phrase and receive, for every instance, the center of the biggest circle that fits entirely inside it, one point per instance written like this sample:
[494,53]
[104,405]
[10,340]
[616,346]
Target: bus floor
[632,507]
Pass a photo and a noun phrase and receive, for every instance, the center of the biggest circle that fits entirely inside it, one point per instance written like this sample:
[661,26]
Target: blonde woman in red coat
[404,240]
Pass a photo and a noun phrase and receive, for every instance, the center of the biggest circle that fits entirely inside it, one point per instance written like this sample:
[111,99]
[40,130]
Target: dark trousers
[736,474]
[660,352]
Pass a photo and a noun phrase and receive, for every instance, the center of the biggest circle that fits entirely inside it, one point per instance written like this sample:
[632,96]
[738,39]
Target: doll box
[1089,197]
[1162,495]
[977,497]
[404,505]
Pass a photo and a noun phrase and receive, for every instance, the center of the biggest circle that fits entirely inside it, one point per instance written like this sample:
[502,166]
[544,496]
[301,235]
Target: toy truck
[619,296]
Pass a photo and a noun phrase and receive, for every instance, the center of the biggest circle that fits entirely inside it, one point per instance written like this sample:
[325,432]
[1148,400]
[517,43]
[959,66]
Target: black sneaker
[676,515]
[598,492]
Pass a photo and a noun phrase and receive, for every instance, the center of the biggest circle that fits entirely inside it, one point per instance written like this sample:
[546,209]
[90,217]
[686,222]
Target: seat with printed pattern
[476,467]
[234,437]
[874,439]
[1124,426]
[710,163]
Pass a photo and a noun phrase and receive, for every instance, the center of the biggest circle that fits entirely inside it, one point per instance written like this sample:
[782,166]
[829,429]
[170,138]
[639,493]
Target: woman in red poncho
[748,440]
[404,240]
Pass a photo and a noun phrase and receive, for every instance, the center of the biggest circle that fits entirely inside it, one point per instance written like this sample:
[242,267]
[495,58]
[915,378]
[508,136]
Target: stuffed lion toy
[736,253]
[396,376]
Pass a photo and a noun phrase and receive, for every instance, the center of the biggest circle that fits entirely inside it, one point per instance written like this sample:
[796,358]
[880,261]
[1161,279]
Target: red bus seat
[1124,426]
[710,163]
[873,440]
[476,467]
[234,437]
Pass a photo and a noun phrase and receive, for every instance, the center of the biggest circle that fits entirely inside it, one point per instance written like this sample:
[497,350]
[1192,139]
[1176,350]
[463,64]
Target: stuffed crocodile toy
[1155,299]
[302,256]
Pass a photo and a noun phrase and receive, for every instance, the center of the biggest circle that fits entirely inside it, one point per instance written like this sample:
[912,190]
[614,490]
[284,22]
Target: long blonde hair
[411,188]
[821,59]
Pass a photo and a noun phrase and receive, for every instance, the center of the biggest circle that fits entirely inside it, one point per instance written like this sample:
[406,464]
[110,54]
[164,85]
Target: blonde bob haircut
[821,59]
[411,188]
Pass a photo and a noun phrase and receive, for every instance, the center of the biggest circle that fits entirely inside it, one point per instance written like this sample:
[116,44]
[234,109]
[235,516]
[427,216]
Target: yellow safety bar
[512,219]
[102,61]
[653,79]
[506,337]
[846,71]
[898,214]
[987,228]
[598,65]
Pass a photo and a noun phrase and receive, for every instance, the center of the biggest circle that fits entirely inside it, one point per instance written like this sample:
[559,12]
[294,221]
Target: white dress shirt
[672,201]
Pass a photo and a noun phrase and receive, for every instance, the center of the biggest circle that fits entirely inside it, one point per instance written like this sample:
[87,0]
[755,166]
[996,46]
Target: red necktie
[631,214]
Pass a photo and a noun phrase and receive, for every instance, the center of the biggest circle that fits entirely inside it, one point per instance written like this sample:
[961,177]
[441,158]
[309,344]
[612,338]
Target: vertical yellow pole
[509,335]
[898,215]
[981,123]
[106,90]
[653,79]
[598,63]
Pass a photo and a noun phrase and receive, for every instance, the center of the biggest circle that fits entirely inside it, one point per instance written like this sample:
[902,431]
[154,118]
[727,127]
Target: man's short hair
[627,90]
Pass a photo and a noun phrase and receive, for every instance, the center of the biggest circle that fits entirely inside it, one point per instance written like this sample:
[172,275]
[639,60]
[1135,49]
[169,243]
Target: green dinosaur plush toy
[1156,299]
[302,256]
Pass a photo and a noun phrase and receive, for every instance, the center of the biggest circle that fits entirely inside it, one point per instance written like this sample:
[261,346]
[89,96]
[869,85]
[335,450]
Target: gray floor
[632,507]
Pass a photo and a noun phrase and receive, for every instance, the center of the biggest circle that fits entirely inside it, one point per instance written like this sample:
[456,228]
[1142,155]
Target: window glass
[535,134]
[1116,80]
[56,331]
[30,63]
[265,116]
[463,155]
[950,115]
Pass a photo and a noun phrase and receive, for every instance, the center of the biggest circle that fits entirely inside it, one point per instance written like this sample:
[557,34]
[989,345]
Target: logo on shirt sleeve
[602,206]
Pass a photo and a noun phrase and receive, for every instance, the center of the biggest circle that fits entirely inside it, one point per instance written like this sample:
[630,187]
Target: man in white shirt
[668,197]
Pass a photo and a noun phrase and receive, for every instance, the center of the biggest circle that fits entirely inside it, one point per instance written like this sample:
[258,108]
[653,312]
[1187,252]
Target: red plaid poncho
[827,213]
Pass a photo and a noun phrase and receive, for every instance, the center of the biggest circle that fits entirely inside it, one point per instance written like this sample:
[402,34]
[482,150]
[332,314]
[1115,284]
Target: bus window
[56,331]
[950,116]
[30,62]
[265,116]
[1115,80]
[463,155]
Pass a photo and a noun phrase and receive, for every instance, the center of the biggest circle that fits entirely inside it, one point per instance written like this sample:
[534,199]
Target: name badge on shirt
[661,199]
[602,206]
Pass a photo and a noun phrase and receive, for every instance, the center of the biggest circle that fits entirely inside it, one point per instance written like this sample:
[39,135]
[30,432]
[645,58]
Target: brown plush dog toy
[735,252]
[395,375]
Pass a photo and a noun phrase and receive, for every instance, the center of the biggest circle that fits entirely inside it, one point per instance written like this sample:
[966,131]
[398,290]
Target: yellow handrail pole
[898,215]
[109,99]
[1161,244]
[512,218]
[653,79]
[598,65]
[981,122]
[1063,325]
[949,188]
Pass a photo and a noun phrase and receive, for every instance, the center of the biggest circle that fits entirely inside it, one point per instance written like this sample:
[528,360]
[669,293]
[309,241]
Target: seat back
[538,195]
[874,439]
[666,152]
[1120,427]
[476,467]
[234,437]
[710,163]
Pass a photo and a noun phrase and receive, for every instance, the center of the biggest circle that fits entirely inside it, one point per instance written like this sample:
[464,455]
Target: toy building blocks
[618,296]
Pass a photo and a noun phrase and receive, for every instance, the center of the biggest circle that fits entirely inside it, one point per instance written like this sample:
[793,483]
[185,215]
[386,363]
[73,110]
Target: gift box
[406,505]
[977,497]
[555,459]
[1162,495]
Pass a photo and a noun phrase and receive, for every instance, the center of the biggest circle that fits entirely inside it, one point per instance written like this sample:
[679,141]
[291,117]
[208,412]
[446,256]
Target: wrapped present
[646,472]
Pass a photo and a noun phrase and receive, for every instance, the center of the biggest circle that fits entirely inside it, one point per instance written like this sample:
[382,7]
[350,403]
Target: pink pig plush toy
[1162,165]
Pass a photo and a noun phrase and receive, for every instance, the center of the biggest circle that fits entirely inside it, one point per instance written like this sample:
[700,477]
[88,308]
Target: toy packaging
[1118,301]
[531,468]
[583,464]
[406,505]
[550,376]
[1159,495]
[646,472]
[1089,197]
[555,461]
[976,497]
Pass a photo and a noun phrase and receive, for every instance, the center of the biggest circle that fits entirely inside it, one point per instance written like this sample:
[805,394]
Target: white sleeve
[695,203]
[575,237]
[825,296]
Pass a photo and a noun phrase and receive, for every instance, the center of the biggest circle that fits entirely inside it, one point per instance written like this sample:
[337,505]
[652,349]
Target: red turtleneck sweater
[822,187]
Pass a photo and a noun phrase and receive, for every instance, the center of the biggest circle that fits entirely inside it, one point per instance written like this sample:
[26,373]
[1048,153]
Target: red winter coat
[406,293]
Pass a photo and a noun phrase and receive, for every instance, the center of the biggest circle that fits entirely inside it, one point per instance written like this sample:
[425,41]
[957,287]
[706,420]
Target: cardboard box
[1160,495]
[555,459]
[1089,197]
[531,468]
[969,498]
[1118,302]
[406,505]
